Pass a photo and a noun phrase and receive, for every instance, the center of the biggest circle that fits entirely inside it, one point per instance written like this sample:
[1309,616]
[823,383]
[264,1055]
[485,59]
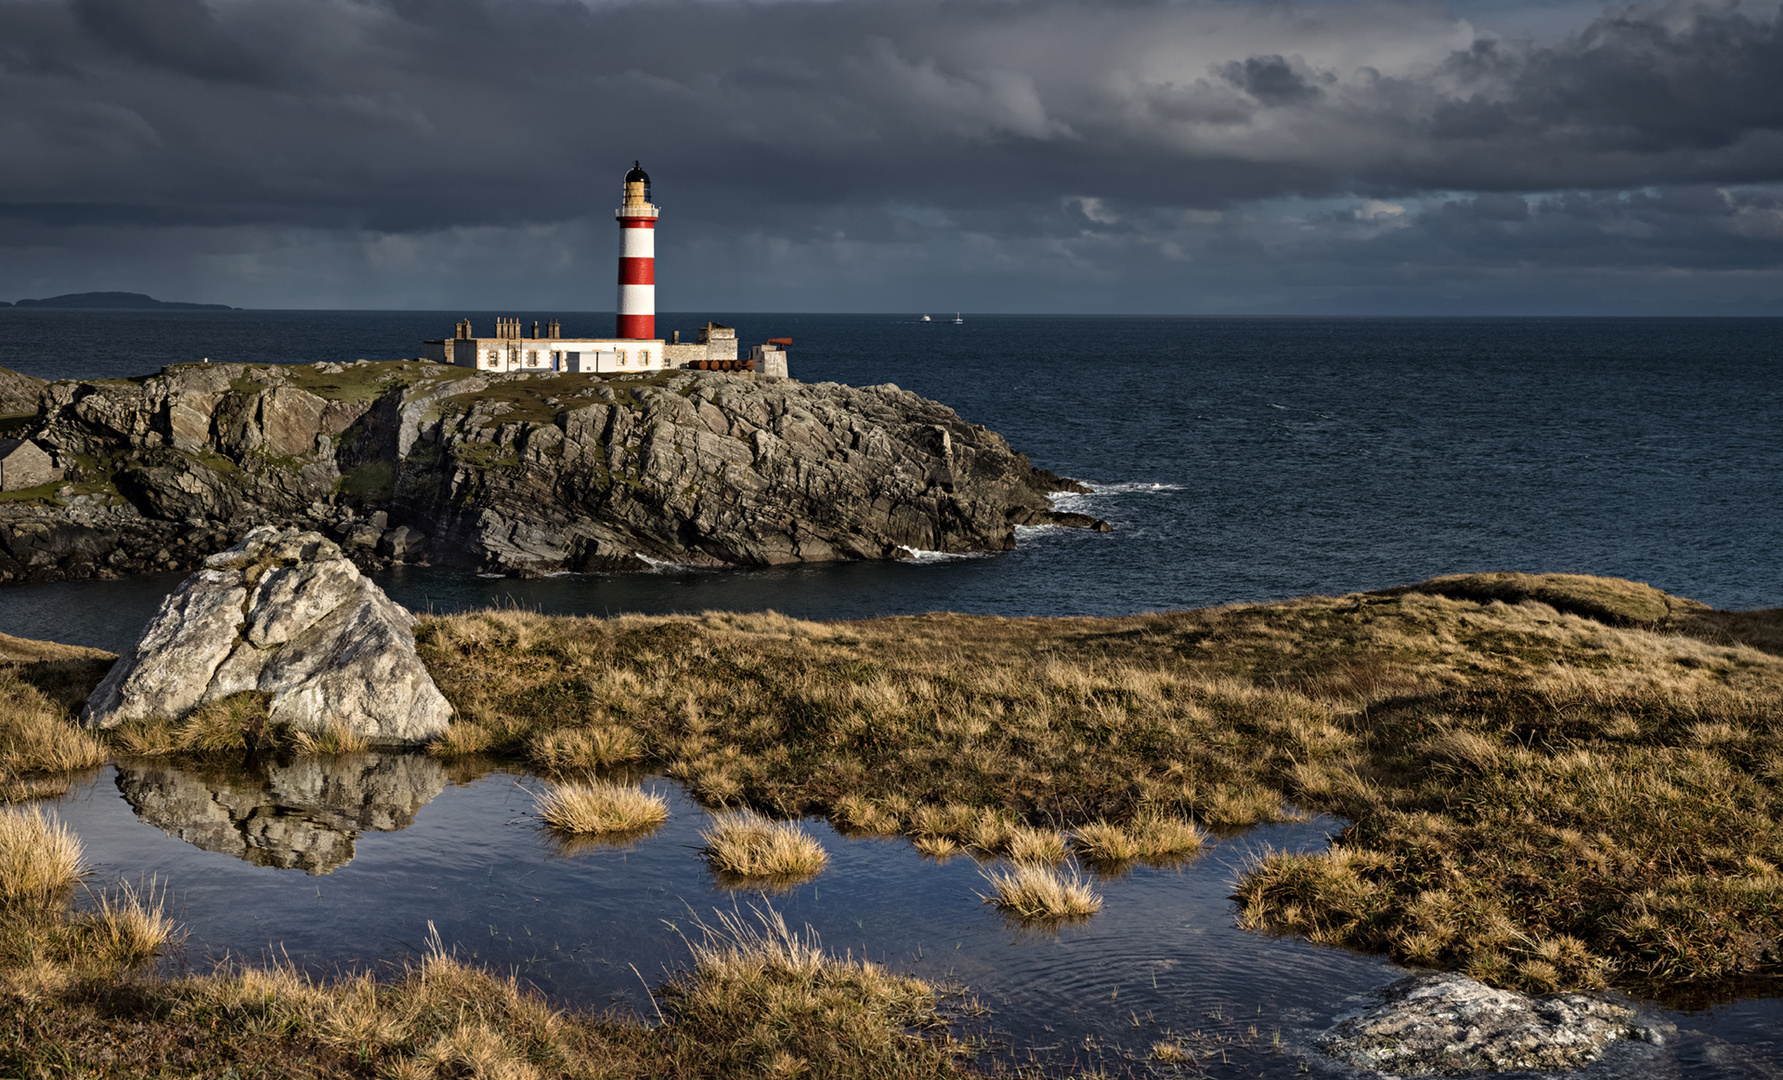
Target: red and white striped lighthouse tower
[637,258]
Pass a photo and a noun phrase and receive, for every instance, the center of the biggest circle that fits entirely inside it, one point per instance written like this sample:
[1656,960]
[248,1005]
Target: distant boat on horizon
[957,321]
[925,318]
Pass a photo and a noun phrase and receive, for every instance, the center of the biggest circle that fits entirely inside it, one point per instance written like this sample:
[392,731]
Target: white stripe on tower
[637,258]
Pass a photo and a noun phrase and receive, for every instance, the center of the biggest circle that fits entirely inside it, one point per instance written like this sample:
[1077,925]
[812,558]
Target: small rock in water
[285,613]
[402,543]
[1450,1025]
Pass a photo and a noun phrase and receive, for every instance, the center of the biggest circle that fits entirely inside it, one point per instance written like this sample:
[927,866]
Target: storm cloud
[865,154]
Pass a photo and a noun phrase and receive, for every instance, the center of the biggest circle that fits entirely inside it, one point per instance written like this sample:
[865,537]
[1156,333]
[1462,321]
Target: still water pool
[347,862]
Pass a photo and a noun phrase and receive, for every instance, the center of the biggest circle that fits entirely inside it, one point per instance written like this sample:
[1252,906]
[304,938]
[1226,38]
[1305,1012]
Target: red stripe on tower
[637,258]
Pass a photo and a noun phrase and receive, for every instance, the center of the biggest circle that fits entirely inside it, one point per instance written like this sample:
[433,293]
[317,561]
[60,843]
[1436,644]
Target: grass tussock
[1034,893]
[582,750]
[1150,838]
[40,857]
[744,844]
[807,1013]
[334,739]
[39,740]
[598,807]
[1551,779]
[126,926]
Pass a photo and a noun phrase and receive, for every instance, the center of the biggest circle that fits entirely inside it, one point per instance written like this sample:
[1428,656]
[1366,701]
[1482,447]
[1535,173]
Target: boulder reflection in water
[300,815]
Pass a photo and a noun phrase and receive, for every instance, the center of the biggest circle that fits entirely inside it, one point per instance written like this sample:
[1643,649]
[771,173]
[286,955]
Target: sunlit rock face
[304,815]
[282,612]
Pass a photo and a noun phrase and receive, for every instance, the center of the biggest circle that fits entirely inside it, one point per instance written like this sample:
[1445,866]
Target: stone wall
[679,354]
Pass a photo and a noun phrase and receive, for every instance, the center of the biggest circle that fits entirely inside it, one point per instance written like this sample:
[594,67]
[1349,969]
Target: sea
[1238,459]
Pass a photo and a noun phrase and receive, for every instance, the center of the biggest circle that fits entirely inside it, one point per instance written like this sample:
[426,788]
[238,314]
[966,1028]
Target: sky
[1022,156]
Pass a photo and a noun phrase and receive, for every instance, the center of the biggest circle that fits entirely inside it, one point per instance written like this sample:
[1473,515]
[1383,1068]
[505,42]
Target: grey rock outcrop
[513,473]
[1450,1025]
[19,393]
[286,614]
[303,815]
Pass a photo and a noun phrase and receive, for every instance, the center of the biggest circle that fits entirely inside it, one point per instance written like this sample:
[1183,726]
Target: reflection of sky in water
[1162,959]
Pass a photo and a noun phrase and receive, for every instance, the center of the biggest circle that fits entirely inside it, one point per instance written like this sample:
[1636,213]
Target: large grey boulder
[284,613]
[1451,1025]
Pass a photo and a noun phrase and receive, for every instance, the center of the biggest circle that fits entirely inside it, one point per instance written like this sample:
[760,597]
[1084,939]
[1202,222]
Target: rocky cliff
[509,473]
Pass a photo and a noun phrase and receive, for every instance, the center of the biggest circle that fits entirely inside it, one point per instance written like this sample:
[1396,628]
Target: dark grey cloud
[410,150]
[181,36]
[1272,80]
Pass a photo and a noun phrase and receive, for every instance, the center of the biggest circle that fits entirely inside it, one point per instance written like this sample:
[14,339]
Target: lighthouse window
[621,357]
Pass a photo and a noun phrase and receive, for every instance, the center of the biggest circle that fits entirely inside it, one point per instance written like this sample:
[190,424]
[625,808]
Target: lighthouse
[637,258]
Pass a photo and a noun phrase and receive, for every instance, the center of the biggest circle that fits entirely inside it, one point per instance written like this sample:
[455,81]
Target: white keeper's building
[510,349]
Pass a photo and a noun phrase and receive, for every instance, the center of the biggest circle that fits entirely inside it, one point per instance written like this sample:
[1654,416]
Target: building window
[621,357]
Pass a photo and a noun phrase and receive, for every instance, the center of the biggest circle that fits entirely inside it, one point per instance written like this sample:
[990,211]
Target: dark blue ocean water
[1239,459]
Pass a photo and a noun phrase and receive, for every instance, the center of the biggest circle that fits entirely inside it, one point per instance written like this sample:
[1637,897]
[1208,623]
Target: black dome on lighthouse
[637,175]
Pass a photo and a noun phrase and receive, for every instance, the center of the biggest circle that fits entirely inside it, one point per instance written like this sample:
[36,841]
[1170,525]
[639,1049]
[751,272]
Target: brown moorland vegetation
[1551,781]
[755,1003]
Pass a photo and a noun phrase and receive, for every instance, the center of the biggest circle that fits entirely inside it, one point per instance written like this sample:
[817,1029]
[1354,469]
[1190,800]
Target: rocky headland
[522,474]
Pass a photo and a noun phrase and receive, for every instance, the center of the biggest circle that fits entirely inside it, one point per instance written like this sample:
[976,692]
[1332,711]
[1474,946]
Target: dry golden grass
[1439,719]
[804,1011]
[745,844]
[600,807]
[126,926]
[583,749]
[229,725]
[1043,847]
[334,739]
[1608,600]
[37,737]
[18,650]
[1148,837]
[754,999]
[40,857]
[1035,893]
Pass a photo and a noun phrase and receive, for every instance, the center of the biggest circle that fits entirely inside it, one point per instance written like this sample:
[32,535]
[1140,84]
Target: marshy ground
[1548,781]
[1552,781]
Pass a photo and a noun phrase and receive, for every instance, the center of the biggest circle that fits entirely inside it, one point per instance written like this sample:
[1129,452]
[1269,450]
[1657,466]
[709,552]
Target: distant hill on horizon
[116,301]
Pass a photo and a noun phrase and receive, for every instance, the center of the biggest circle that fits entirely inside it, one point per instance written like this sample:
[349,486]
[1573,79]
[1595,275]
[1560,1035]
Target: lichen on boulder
[285,613]
[1451,1025]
